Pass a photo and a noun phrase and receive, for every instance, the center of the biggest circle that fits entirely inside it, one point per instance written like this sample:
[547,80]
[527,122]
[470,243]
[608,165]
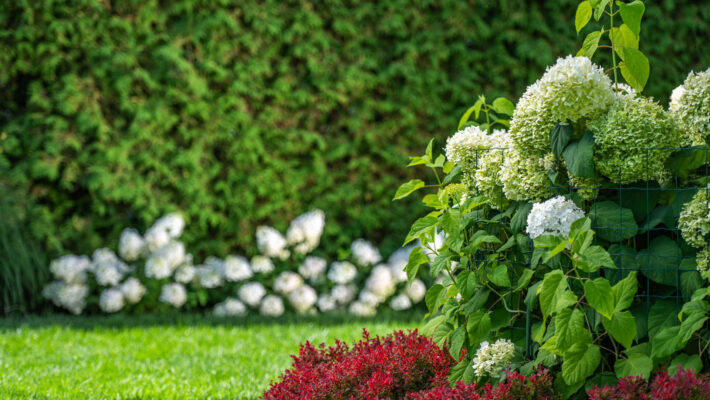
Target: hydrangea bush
[583,245]
[154,271]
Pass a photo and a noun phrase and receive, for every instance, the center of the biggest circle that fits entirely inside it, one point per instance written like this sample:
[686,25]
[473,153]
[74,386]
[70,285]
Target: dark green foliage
[250,112]
[22,268]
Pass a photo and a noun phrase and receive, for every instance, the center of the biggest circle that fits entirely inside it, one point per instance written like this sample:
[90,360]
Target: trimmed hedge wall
[247,112]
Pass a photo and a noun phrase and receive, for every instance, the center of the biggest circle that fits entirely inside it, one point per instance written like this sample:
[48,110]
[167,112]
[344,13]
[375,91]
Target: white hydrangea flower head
[313,268]
[343,294]
[111,300]
[157,268]
[165,260]
[326,303]
[271,242]
[361,309]
[532,122]
[368,298]
[703,261]
[622,89]
[690,106]
[237,269]
[365,253]
[71,268]
[303,298]
[487,176]
[272,306]
[155,239]
[400,302]
[70,296]
[167,227]
[173,294]
[492,359]
[287,282]
[397,261]
[107,275]
[694,220]
[251,293]
[261,264]
[553,217]
[634,139]
[131,245]
[132,290]
[106,256]
[210,274]
[342,272]
[467,145]
[185,273]
[526,178]
[381,283]
[305,231]
[416,291]
[230,307]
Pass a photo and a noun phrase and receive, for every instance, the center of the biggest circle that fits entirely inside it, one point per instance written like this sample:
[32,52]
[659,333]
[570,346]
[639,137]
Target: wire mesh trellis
[652,245]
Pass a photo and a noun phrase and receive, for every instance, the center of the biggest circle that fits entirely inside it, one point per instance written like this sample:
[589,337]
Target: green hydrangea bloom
[690,105]
[633,139]
[694,220]
[525,178]
[703,261]
[573,89]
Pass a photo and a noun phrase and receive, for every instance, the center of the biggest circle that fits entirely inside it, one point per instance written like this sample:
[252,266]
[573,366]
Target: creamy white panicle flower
[365,253]
[71,268]
[251,293]
[343,294]
[694,220]
[326,303]
[272,306]
[111,300]
[690,106]
[132,290]
[185,273]
[261,264]
[401,302]
[173,294]
[71,296]
[271,242]
[416,291]
[398,260]
[287,282]
[305,231]
[368,298]
[209,275]
[381,283]
[237,269]
[313,268]
[492,359]
[676,97]
[553,217]
[131,245]
[342,272]
[303,298]
[230,307]
[361,309]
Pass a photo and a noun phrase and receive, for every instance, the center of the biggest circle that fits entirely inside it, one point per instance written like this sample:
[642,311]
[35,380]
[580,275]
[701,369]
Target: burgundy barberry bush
[381,368]
[538,386]
[685,385]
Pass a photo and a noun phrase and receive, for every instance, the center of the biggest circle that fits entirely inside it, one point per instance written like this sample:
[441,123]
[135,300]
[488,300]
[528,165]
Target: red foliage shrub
[684,385]
[383,368]
[538,386]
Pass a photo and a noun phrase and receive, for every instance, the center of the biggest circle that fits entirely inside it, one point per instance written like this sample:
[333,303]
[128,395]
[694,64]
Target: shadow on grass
[91,322]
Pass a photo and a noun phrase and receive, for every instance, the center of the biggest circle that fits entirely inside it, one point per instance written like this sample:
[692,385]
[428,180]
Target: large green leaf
[684,161]
[431,325]
[635,365]
[442,333]
[569,328]
[580,361]
[579,156]
[593,258]
[635,68]
[590,44]
[479,299]
[420,226]
[624,291]
[520,218]
[433,296]
[583,15]
[685,361]
[408,188]
[416,259]
[663,313]
[622,327]
[640,200]
[499,276]
[631,14]
[502,105]
[559,138]
[659,262]
[478,326]
[555,294]
[441,262]
[599,295]
[458,337]
[612,222]
[665,343]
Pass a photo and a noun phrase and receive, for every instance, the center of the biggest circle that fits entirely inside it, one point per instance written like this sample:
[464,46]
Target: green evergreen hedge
[248,112]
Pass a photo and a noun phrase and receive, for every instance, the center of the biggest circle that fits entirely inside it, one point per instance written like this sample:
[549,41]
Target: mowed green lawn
[163,357]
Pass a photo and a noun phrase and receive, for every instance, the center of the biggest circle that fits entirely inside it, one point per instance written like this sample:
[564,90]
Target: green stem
[488,120]
[611,38]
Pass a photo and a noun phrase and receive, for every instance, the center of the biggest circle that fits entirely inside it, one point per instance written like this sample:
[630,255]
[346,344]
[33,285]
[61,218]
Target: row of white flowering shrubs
[153,272]
[576,222]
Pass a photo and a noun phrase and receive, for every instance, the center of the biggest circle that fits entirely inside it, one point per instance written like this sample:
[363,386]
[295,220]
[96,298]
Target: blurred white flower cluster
[284,276]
